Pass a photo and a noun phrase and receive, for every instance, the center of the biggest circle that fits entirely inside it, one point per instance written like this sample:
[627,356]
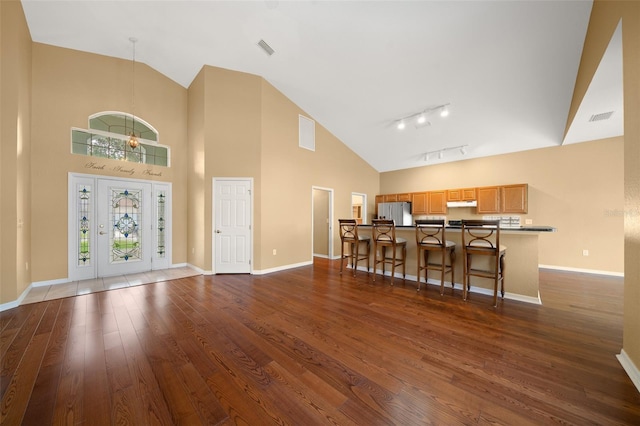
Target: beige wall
[605,16]
[576,188]
[15,151]
[288,175]
[631,65]
[241,126]
[196,173]
[68,87]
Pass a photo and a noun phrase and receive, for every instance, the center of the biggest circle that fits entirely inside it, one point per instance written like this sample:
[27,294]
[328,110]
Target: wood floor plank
[17,345]
[312,346]
[18,391]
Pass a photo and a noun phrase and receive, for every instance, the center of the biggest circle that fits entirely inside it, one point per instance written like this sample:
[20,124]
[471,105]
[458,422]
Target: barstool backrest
[383,230]
[431,232]
[348,229]
[481,234]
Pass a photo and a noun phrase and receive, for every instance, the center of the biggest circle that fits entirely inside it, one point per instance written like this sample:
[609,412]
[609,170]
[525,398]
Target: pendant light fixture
[133,140]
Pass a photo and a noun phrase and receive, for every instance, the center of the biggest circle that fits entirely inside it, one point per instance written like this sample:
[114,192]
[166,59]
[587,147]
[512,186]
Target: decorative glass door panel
[124,227]
[125,214]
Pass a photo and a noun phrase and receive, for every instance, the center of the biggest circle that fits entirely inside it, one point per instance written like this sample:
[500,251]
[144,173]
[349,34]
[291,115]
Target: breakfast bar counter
[521,262]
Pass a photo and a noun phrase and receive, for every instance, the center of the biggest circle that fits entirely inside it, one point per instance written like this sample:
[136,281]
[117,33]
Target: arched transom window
[108,137]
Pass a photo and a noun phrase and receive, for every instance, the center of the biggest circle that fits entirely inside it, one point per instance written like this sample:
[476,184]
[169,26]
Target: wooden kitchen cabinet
[379,199]
[461,194]
[419,203]
[437,203]
[503,199]
[488,200]
[390,198]
[404,197]
[514,198]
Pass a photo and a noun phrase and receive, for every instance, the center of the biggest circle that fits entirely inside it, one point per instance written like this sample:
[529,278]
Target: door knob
[218,231]
[101,232]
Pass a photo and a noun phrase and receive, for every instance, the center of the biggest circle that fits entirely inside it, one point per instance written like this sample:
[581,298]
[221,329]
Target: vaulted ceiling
[505,69]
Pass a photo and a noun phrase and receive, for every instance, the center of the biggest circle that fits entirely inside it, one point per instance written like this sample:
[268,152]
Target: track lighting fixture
[439,153]
[420,118]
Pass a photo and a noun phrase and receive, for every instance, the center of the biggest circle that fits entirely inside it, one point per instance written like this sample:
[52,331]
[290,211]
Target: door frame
[330,239]
[364,205]
[76,272]
[213,219]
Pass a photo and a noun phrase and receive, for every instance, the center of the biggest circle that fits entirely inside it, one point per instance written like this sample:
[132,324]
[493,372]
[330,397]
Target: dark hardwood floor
[309,346]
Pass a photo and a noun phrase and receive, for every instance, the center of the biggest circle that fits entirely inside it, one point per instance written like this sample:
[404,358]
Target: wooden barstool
[482,238]
[431,237]
[349,235]
[384,236]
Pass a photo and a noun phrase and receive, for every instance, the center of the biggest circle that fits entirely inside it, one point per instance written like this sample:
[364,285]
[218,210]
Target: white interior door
[124,224]
[232,226]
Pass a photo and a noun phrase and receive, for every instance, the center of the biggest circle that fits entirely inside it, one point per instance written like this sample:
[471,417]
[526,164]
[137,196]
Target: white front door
[232,226]
[118,226]
[124,227]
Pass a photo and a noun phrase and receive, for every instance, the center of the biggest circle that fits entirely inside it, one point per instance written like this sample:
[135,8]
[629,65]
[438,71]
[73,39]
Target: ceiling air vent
[601,116]
[266,47]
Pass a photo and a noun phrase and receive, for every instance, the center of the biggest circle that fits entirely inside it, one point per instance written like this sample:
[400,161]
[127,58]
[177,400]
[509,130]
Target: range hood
[473,203]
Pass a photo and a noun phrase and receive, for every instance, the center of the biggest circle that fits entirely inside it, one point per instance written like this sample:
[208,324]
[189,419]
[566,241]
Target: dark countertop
[529,228]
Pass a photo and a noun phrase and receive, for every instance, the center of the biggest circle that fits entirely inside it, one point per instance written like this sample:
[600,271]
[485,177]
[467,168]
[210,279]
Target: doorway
[322,220]
[359,207]
[117,226]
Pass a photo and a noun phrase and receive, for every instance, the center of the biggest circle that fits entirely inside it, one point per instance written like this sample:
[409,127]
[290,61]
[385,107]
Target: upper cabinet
[488,200]
[515,198]
[463,194]
[437,202]
[419,203]
[503,199]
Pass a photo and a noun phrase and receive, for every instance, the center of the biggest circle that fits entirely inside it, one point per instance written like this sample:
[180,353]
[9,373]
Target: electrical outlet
[26,265]
[585,252]
[193,250]
[274,252]
[528,221]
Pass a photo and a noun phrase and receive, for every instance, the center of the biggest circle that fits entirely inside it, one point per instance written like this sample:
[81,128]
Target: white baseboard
[630,368]
[281,268]
[198,270]
[17,302]
[584,271]
[50,282]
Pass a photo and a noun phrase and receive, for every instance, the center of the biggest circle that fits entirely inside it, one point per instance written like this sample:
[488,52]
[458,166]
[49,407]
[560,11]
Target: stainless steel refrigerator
[400,212]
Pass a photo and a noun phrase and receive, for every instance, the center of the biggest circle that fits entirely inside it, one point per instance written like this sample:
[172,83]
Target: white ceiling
[507,69]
